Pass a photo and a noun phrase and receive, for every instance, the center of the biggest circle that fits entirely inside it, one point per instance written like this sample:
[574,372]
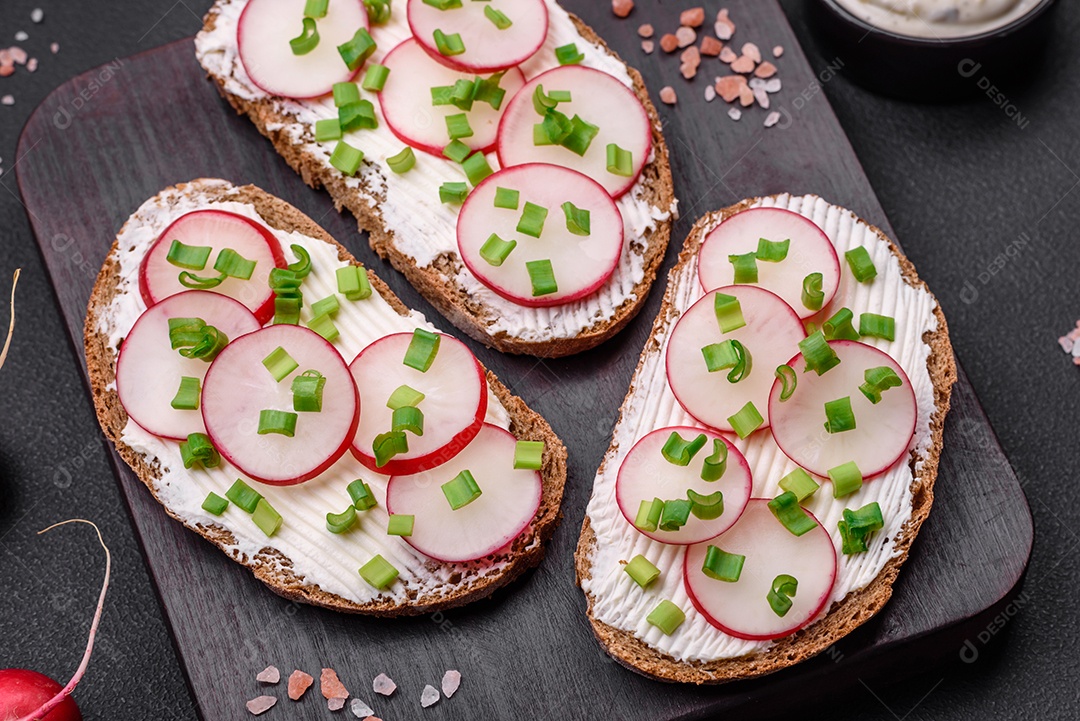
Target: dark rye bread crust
[435,282]
[270,566]
[857,607]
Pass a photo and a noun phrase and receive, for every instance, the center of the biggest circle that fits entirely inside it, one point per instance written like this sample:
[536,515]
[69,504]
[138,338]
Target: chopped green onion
[458,152]
[352,282]
[877,326]
[345,93]
[771,251]
[721,565]
[210,343]
[375,77]
[346,158]
[529,455]
[838,415]
[846,479]
[856,526]
[542,276]
[706,506]
[487,90]
[198,450]
[543,102]
[408,418]
[324,326]
[378,572]
[356,52]
[787,510]
[358,116]
[580,136]
[675,514]
[341,522]
[507,198]
[642,571]
[281,422]
[287,310]
[497,17]
[185,331]
[779,596]
[495,250]
[200,282]
[316,8]
[387,445]
[403,161]
[448,45]
[476,168]
[680,452]
[746,270]
[553,129]
[879,380]
[279,363]
[457,125]
[818,354]
[461,490]
[716,464]
[307,391]
[378,11]
[307,40]
[329,305]
[214,504]
[862,267]
[619,161]
[187,395]
[747,420]
[666,616]
[813,297]
[800,483]
[327,129]
[400,524]
[568,54]
[577,219]
[244,496]
[192,257]
[532,220]
[362,497]
[839,326]
[788,380]
[266,518]
[648,515]
[423,348]
[443,4]
[404,396]
[453,193]
[728,354]
[282,280]
[729,315]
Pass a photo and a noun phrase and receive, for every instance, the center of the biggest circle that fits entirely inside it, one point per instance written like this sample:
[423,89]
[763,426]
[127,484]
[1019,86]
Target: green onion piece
[404,396]
[787,510]
[495,250]
[532,220]
[846,479]
[379,572]
[788,380]
[358,116]
[356,52]
[244,496]
[362,497]
[770,251]
[800,483]
[327,129]
[721,565]
[839,326]
[302,267]
[352,282]
[838,415]
[879,380]
[282,280]
[266,518]
[378,11]
[423,348]
[198,450]
[279,363]
[580,136]
[666,616]
[877,326]
[457,125]
[324,326]
[487,90]
[448,45]
[747,420]
[316,8]
[568,54]
[375,77]
[443,4]
[729,315]
[813,297]
[208,346]
[818,354]
[543,102]
[341,522]
[507,198]
[402,162]
[187,395]
[706,506]
[529,455]
[214,504]
[856,527]
[200,282]
[619,161]
[554,129]
[542,276]
[287,310]
[779,597]
[458,152]
[345,94]
[408,418]
[185,331]
[728,354]
[346,158]
[577,219]
[400,524]
[675,514]
[497,17]
[461,490]
[387,445]
[329,305]
[281,422]
[746,270]
[453,193]
[476,168]
[716,464]
[307,40]
[862,267]
[648,515]
[680,452]
[642,571]
[192,257]
[307,391]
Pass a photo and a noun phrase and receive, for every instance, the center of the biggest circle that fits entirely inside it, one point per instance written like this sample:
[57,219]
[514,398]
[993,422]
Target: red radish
[238,388]
[507,503]
[31,696]
[216,229]
[741,608]
[581,263]
[645,474]
[406,106]
[455,401]
[148,371]
[772,331]
[599,99]
[263,35]
[487,48]
[882,432]
[810,251]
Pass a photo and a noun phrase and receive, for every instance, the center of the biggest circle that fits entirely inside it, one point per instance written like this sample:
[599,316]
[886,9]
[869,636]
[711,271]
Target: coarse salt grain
[331,686]
[685,36]
[31,65]
[37,15]
[383,684]
[761,97]
[260,704]
[360,709]
[7,100]
[765,70]
[299,683]
[451,680]
[778,51]
[18,55]
[21,36]
[429,696]
[710,93]
[647,46]
[734,113]
[646,30]
[743,64]
[270,674]
[55,48]
[668,43]
[694,17]
[727,55]
[711,47]
[667,95]
[772,119]
[335,704]
[622,8]
[724,27]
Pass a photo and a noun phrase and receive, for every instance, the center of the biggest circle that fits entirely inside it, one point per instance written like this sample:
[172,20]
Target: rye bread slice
[436,282]
[857,607]
[271,567]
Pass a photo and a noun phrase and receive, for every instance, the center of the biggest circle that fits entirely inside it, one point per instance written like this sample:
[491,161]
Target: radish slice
[406,101]
[810,251]
[238,387]
[599,99]
[487,48]
[454,404]
[263,35]
[507,503]
[882,432]
[772,332]
[148,370]
[645,474]
[741,608]
[216,229]
[581,263]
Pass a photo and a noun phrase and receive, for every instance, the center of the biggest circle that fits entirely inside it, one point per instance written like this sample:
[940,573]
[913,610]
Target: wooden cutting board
[107,140]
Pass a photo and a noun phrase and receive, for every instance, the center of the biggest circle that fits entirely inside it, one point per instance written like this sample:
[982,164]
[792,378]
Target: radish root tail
[11,324]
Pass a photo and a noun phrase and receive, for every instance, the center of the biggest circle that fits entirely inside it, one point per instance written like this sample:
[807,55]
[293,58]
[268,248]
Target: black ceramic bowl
[917,68]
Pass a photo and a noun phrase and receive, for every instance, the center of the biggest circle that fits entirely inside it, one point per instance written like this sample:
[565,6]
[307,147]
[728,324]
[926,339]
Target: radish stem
[11,324]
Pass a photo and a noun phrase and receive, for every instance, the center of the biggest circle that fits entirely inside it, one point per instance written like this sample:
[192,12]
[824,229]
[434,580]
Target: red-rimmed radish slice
[580,263]
[263,35]
[239,387]
[148,370]
[599,99]
[406,106]
[772,331]
[455,401]
[215,229]
[645,474]
[882,432]
[507,503]
[741,608]
[810,251]
[487,47]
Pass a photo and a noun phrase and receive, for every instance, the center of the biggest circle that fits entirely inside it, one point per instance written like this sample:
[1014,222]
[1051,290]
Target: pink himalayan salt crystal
[429,696]
[331,686]
[299,683]
[260,704]
[383,684]
[270,674]
[451,680]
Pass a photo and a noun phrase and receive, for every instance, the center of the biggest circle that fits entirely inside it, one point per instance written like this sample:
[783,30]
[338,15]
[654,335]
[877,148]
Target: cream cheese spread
[939,19]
